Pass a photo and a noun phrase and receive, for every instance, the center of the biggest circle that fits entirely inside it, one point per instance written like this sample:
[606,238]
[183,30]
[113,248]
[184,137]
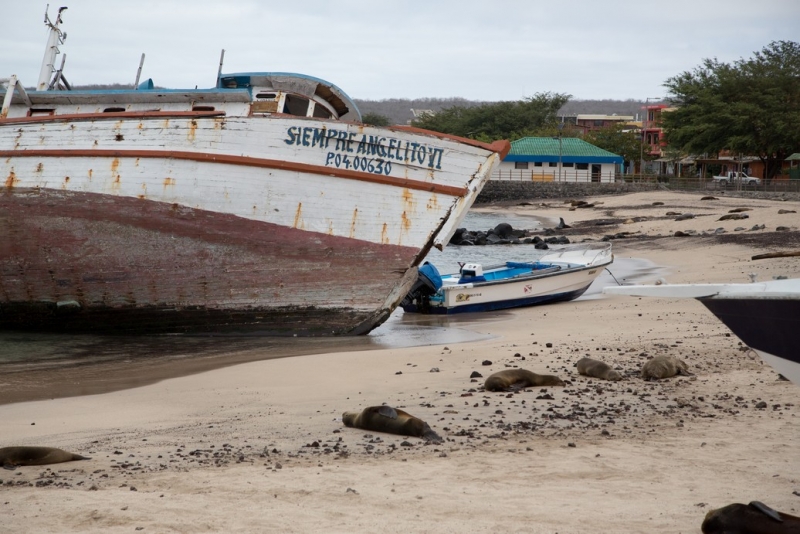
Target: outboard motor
[428,283]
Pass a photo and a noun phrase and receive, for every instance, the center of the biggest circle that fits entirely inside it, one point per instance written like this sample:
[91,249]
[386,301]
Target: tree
[498,120]
[618,139]
[751,106]
[375,119]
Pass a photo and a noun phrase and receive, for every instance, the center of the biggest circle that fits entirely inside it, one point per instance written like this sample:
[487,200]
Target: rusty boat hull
[222,210]
[78,262]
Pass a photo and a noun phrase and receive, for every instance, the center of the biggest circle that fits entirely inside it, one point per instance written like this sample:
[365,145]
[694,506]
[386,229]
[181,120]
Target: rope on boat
[612,276]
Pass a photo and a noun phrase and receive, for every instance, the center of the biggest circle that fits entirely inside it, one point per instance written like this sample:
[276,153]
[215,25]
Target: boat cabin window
[520,164]
[295,105]
[265,103]
[113,110]
[202,108]
[321,112]
[37,112]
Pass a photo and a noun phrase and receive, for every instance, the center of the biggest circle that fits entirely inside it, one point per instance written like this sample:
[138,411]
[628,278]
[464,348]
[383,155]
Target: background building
[589,122]
[553,159]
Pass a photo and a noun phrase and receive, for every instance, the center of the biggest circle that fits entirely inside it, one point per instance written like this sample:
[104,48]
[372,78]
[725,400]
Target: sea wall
[515,191]
[506,191]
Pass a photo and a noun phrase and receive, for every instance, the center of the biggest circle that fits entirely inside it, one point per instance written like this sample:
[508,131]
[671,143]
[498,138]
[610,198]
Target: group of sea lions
[754,518]
[653,369]
[396,421]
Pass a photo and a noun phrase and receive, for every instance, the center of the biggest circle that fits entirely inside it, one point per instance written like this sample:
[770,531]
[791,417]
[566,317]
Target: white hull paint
[788,368]
[383,213]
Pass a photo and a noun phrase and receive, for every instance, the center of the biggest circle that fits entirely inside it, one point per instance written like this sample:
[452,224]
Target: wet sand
[57,366]
[260,447]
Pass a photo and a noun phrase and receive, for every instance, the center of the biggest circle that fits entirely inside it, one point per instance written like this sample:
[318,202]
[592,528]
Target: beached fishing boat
[562,274]
[764,315]
[255,205]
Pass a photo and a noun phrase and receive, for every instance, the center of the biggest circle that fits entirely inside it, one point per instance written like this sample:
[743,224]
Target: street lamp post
[560,152]
[641,149]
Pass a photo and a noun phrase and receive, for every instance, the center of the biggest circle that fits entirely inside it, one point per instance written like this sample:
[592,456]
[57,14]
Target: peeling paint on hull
[82,262]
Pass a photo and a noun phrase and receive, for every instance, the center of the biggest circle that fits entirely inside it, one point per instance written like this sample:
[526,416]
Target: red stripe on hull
[84,262]
[247,161]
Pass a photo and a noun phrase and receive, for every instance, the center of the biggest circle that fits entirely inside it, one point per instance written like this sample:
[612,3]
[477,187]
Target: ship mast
[54,38]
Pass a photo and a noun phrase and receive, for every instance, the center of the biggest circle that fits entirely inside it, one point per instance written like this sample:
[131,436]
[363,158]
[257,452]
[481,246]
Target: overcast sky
[375,49]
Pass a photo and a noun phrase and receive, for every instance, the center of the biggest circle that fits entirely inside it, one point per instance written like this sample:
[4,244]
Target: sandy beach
[260,447]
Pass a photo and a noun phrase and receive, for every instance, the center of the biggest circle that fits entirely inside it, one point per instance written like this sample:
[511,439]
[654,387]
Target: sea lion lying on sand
[597,369]
[11,457]
[753,518]
[664,367]
[390,420]
[518,379]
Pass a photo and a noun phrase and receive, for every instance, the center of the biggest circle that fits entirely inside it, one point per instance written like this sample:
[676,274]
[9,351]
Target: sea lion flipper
[430,435]
[517,386]
[766,510]
[387,411]
[10,467]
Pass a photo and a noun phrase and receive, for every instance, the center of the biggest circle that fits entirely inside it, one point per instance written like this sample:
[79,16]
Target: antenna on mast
[54,38]
[138,74]
[219,70]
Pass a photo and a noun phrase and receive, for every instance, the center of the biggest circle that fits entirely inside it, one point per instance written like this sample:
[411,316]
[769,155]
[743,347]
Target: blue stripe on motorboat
[502,304]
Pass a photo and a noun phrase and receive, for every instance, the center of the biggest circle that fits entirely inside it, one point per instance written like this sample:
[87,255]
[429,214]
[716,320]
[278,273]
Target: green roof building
[567,159]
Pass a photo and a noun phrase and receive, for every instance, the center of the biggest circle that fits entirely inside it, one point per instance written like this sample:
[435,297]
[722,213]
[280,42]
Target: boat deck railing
[579,253]
[12,85]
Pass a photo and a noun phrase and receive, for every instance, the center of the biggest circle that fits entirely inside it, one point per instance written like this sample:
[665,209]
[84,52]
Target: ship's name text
[386,148]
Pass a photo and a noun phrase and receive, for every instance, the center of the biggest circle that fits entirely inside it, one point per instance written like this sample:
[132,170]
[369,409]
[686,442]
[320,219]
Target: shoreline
[258,441]
[98,366]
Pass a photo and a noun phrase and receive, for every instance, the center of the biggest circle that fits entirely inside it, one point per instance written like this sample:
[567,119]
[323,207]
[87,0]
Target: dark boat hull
[79,262]
[768,325]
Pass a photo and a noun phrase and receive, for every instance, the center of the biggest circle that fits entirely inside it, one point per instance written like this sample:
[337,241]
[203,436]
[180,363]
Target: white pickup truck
[734,177]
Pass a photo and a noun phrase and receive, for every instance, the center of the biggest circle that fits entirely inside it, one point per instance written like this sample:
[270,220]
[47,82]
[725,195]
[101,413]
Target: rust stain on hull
[385,234]
[405,222]
[11,180]
[353,224]
[298,221]
[192,133]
